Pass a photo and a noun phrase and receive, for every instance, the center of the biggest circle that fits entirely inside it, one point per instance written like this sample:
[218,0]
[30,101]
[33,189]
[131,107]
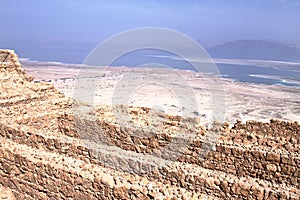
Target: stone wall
[50,151]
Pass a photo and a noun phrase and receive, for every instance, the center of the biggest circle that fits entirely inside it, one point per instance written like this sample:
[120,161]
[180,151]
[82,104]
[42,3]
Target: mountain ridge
[255,49]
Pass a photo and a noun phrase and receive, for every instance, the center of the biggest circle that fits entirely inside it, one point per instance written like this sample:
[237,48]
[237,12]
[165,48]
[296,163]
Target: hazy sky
[66,30]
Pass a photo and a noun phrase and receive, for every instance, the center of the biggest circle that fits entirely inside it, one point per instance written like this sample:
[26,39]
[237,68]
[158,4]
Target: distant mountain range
[255,49]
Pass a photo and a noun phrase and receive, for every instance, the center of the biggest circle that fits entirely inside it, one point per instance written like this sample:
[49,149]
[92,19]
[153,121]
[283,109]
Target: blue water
[241,73]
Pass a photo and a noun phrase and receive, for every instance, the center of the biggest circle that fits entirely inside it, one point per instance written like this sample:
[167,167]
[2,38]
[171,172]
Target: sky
[67,30]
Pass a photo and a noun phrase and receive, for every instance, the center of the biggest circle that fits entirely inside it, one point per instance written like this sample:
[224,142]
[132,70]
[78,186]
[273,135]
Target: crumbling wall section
[49,152]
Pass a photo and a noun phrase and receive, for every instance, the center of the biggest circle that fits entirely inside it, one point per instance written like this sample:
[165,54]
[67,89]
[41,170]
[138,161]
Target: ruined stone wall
[38,161]
[10,66]
[204,182]
[241,151]
[49,152]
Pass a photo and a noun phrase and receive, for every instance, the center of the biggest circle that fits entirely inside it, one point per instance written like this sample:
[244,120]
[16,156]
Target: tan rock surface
[6,193]
[48,152]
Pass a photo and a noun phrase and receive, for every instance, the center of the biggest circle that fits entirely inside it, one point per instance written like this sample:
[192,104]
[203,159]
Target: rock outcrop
[49,151]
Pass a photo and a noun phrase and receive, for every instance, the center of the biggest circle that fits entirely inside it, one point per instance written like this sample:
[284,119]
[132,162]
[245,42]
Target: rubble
[49,152]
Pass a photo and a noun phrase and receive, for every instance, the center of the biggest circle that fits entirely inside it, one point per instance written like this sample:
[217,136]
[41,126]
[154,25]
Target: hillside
[48,152]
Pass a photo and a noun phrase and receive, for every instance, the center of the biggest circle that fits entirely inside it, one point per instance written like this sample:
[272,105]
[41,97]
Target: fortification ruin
[43,156]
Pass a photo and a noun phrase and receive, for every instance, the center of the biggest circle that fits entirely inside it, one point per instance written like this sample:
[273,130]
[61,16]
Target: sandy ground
[174,91]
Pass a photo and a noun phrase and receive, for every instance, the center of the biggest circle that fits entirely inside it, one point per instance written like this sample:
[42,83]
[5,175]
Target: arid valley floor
[243,101]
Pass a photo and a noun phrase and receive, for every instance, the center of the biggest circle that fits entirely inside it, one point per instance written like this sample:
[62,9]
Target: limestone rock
[6,193]
[48,152]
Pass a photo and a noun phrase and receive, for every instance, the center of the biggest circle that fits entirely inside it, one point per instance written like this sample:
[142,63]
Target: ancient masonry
[48,152]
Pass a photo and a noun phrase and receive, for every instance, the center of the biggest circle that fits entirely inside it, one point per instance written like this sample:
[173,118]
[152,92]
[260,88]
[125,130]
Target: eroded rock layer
[51,149]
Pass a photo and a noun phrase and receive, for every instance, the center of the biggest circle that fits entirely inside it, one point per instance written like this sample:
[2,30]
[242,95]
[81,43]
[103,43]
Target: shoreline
[223,65]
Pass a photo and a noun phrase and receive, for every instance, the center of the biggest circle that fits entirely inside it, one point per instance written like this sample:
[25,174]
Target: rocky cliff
[48,152]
